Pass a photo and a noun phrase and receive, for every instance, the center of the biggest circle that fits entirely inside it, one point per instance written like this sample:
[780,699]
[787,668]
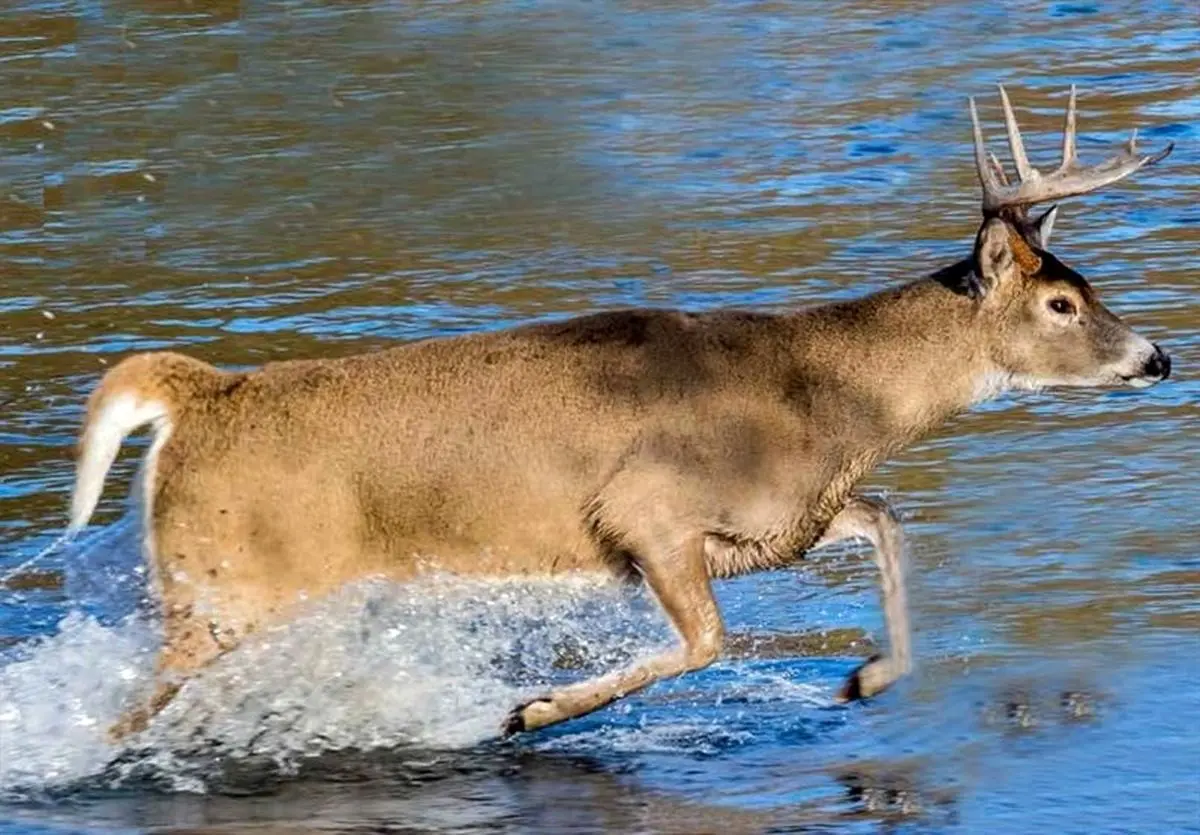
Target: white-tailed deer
[661,445]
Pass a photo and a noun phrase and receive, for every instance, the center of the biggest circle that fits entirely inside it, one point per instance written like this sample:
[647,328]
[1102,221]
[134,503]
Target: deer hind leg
[875,521]
[679,579]
[191,642]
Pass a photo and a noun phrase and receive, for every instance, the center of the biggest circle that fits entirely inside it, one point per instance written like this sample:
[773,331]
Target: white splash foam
[434,664]
[60,694]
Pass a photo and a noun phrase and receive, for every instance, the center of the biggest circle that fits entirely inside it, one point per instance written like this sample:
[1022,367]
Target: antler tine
[1069,180]
[987,176]
[1025,171]
[998,167]
[1069,158]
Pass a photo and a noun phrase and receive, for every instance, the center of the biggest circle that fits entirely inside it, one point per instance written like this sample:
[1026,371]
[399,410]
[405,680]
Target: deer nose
[1159,364]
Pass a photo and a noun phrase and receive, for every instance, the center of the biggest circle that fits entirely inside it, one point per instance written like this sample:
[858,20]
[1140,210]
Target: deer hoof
[514,723]
[870,679]
[530,716]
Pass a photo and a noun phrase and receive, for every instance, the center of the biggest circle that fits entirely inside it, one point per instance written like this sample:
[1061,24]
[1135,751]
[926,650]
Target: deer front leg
[874,521]
[680,582]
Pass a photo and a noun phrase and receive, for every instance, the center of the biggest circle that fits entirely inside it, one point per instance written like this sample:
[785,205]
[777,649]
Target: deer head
[1045,323]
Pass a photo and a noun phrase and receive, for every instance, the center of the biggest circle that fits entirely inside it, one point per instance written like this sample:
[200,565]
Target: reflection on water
[255,180]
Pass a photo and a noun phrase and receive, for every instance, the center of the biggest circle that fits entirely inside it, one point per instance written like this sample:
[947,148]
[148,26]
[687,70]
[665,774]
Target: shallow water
[256,180]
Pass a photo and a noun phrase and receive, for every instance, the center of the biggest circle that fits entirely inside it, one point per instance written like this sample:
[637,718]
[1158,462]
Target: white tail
[117,416]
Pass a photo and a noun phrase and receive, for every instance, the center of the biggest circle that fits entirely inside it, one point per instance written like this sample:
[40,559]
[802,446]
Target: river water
[272,179]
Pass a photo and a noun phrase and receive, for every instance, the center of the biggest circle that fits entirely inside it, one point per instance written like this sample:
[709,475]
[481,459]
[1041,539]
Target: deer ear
[1043,226]
[995,262]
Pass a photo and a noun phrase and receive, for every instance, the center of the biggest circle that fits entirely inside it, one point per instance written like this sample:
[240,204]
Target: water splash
[437,663]
[59,695]
[434,664]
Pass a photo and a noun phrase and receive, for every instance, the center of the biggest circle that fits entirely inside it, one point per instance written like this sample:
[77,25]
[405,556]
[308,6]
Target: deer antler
[1069,179]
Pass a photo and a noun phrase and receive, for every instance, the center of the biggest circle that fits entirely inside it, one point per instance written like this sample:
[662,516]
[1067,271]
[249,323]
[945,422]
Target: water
[258,180]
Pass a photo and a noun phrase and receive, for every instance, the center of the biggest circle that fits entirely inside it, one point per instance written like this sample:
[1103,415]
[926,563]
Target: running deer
[664,446]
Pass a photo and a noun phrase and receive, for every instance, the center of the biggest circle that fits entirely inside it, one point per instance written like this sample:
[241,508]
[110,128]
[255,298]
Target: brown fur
[677,446]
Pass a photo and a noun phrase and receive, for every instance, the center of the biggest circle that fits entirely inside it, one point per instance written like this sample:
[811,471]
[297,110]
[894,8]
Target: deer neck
[901,361]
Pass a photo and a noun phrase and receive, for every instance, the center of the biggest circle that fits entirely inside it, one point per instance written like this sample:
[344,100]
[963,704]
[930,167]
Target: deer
[660,447]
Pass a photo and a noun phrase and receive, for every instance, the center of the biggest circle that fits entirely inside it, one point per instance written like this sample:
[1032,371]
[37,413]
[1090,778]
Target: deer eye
[1061,305]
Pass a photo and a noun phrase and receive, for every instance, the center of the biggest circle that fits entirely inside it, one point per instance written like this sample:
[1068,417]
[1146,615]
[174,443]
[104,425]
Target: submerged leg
[190,643]
[873,520]
[680,582]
